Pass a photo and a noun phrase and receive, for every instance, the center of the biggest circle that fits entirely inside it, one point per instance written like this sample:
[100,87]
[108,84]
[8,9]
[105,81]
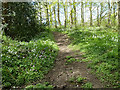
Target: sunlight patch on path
[61,73]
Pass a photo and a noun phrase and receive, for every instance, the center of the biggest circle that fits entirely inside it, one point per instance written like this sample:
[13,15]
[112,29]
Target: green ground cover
[100,46]
[25,62]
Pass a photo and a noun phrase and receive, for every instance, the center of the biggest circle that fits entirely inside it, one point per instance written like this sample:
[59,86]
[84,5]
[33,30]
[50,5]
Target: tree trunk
[51,20]
[85,11]
[119,33]
[90,13]
[40,13]
[114,14]
[82,13]
[119,17]
[65,11]
[75,19]
[71,15]
[101,12]
[55,17]
[59,14]
[98,24]
[109,14]
[48,15]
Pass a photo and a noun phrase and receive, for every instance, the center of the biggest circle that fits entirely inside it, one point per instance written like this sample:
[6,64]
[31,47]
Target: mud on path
[61,72]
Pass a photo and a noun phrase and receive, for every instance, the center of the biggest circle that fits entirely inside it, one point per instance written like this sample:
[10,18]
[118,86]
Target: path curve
[61,73]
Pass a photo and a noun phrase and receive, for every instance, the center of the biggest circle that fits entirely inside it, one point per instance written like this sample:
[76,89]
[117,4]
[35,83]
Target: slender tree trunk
[75,19]
[85,11]
[119,17]
[40,13]
[59,13]
[114,14]
[118,4]
[82,13]
[71,15]
[101,12]
[90,13]
[65,11]
[51,20]
[55,17]
[47,14]
[98,24]
[109,14]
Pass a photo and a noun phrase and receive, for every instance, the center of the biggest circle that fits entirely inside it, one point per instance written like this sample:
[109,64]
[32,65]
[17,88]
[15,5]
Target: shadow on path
[61,72]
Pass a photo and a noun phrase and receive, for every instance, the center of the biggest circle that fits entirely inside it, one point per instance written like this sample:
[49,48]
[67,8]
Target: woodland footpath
[60,44]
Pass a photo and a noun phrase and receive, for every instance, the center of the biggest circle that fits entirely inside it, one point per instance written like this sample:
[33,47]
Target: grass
[100,46]
[87,85]
[72,79]
[81,81]
[70,59]
[78,79]
[40,86]
[26,62]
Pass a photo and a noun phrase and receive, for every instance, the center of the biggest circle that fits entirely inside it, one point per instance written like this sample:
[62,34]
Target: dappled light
[60,44]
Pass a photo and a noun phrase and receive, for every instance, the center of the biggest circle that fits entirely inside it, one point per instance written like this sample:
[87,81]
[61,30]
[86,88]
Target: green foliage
[100,46]
[40,86]
[87,85]
[70,60]
[23,25]
[25,62]
[68,57]
[72,79]
[78,79]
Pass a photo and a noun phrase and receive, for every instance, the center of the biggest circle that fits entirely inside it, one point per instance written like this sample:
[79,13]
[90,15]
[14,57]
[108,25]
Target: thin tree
[75,18]
[119,17]
[71,14]
[65,12]
[114,13]
[59,13]
[109,13]
[90,13]
[82,13]
[85,9]
[118,32]
[101,12]
[47,14]
[51,20]
[55,17]
[40,9]
[98,23]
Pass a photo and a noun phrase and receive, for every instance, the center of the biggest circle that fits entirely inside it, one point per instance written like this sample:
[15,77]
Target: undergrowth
[25,62]
[82,81]
[70,59]
[100,46]
[40,86]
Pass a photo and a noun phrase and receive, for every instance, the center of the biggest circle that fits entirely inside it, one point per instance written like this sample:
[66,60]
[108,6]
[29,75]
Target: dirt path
[61,72]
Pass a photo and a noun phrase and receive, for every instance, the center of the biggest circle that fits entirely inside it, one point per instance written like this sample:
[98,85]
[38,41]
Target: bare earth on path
[61,73]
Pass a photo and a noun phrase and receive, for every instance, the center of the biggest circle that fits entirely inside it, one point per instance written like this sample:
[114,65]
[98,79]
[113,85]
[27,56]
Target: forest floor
[62,74]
